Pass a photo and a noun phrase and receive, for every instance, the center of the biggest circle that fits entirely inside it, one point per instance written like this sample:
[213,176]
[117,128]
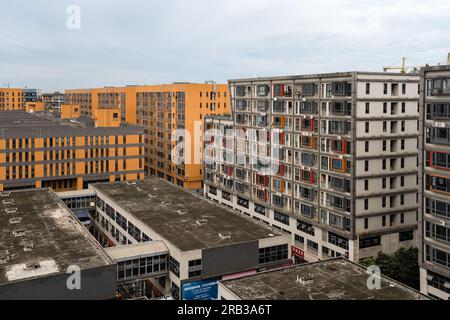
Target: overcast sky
[146,42]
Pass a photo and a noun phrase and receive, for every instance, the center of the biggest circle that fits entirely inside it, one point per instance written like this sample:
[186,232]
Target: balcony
[262,90]
[262,105]
[341,89]
[341,108]
[438,135]
[282,90]
[339,127]
[340,185]
[438,111]
[440,87]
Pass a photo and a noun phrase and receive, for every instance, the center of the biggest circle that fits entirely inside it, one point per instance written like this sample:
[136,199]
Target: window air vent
[15,220]
[225,235]
[201,222]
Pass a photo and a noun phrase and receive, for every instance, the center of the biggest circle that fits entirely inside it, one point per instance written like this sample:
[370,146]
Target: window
[273,254]
[383,221]
[366,223]
[174,266]
[402,218]
[370,242]
[305,227]
[195,268]
[437,256]
[403,88]
[366,146]
[367,88]
[366,165]
[403,107]
[385,89]
[366,185]
[338,241]
[280,217]
[367,127]
[385,107]
[366,204]
[406,235]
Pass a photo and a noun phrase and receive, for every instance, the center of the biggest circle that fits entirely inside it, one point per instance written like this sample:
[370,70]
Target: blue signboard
[201,290]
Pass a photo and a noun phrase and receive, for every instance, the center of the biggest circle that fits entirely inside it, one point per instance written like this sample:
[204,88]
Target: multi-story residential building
[181,107]
[12,99]
[39,150]
[53,100]
[329,158]
[172,116]
[32,95]
[435,152]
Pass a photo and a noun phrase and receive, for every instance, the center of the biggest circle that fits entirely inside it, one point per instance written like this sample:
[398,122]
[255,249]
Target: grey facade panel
[96,284]
[230,259]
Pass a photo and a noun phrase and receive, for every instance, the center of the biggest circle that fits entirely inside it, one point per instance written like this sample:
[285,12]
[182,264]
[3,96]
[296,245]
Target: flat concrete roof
[186,220]
[40,237]
[345,74]
[136,251]
[335,279]
[20,124]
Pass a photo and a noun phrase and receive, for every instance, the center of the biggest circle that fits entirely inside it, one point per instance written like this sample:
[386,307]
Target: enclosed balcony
[341,89]
[339,203]
[438,111]
[341,108]
[439,87]
[242,105]
[263,105]
[339,127]
[282,90]
[262,90]
[438,135]
[279,107]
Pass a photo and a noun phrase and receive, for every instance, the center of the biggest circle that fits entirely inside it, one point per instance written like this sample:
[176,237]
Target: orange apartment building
[161,109]
[12,99]
[40,150]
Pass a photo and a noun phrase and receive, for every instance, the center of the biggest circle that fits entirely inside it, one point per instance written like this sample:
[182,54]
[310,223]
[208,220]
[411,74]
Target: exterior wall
[107,117]
[38,106]
[12,99]
[435,214]
[319,195]
[69,163]
[70,111]
[96,284]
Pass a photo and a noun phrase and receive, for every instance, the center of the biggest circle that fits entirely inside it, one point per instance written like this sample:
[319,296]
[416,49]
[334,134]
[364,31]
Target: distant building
[435,165]
[42,245]
[32,95]
[335,279]
[53,100]
[12,99]
[202,242]
[330,159]
[41,150]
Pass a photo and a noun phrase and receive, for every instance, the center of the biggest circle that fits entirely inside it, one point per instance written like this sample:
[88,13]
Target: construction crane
[403,68]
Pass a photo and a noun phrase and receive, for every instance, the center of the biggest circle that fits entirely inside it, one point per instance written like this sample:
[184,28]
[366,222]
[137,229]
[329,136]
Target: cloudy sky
[147,41]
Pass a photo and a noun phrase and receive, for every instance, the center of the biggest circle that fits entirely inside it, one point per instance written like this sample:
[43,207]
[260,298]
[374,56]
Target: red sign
[298,252]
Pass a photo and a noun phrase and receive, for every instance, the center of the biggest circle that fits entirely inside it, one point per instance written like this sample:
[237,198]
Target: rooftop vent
[225,235]
[201,222]
[181,211]
[131,183]
[15,220]
[166,204]
[5,194]
[304,281]
[4,256]
[11,210]
[32,265]
[28,247]
[155,189]
[8,201]
[19,232]
[152,196]
[139,189]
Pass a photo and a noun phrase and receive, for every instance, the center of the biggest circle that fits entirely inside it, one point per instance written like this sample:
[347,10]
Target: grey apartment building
[435,150]
[331,159]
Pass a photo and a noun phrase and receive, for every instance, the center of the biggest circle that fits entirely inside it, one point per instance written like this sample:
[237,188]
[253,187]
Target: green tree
[402,266]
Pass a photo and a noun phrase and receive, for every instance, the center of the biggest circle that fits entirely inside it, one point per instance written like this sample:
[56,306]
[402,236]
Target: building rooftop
[136,251]
[16,124]
[335,279]
[186,220]
[326,75]
[41,237]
